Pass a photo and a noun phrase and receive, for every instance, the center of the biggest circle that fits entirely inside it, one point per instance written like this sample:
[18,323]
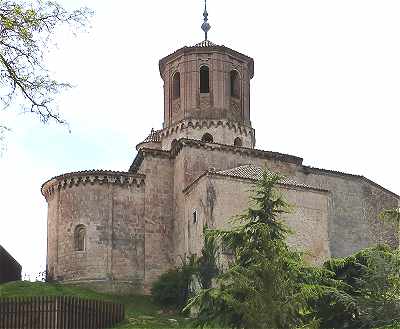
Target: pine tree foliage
[207,264]
[372,278]
[266,284]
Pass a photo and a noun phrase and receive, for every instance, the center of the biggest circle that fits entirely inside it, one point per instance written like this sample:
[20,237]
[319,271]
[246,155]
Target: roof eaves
[261,153]
[300,186]
[212,172]
[309,169]
[94,172]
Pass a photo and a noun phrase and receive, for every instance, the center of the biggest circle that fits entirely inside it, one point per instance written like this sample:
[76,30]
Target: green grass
[140,311]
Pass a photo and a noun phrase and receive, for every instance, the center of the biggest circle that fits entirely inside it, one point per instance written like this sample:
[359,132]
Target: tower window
[238,142]
[195,217]
[235,84]
[174,143]
[176,85]
[207,138]
[204,80]
[80,238]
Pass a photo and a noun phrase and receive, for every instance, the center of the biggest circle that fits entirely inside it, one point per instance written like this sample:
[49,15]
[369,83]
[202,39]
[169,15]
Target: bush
[172,289]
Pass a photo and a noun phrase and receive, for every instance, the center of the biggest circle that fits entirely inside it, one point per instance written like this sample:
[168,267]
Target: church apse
[96,228]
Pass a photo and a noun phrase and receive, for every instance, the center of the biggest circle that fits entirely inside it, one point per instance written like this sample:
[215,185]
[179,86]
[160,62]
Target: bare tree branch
[26,28]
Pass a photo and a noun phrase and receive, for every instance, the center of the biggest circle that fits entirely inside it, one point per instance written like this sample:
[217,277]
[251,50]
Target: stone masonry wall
[114,220]
[128,235]
[158,215]
[201,158]
[353,210]
[217,199]
[190,163]
[52,236]
[223,132]
[217,104]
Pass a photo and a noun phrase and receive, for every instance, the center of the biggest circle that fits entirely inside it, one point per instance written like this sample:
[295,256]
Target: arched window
[238,142]
[176,85]
[207,138]
[173,144]
[235,84]
[80,238]
[204,80]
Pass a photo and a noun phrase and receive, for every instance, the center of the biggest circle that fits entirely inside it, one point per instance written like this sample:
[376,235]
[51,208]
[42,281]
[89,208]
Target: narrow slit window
[195,217]
[204,80]
[176,86]
[235,84]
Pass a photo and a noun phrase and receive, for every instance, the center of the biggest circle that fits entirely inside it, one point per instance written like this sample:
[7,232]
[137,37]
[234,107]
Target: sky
[326,88]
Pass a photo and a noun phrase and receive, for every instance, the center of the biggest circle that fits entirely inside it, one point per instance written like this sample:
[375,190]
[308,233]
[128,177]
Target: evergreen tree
[371,280]
[266,284]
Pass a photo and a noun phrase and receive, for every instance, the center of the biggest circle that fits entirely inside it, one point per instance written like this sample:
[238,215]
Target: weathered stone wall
[112,213]
[218,103]
[128,240]
[158,201]
[217,199]
[194,160]
[52,236]
[223,132]
[200,157]
[353,210]
[180,223]
[90,206]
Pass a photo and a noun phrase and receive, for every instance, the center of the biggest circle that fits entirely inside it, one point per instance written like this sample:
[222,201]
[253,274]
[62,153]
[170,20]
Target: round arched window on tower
[204,79]
[80,238]
[235,84]
[207,138]
[176,85]
[238,142]
[174,143]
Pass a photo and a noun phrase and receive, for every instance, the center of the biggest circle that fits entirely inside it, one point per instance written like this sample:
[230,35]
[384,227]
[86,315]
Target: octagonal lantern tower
[206,97]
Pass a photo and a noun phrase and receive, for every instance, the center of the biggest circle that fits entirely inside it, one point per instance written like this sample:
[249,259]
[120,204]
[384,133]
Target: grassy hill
[140,311]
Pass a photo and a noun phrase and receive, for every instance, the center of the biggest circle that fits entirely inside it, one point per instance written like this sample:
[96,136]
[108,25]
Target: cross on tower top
[205,26]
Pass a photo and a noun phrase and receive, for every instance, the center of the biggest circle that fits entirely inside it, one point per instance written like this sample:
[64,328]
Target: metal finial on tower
[205,26]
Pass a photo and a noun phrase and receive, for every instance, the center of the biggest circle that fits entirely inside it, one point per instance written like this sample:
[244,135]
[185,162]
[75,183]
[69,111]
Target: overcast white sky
[326,88]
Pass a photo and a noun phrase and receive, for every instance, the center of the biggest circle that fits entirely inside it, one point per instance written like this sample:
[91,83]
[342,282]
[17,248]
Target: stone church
[118,231]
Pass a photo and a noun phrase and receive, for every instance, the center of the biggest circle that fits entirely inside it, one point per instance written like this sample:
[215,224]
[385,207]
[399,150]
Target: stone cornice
[91,177]
[214,48]
[234,149]
[142,153]
[184,142]
[319,171]
[253,180]
[205,123]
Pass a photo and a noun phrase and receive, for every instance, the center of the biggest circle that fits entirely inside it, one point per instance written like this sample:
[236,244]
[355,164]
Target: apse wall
[96,229]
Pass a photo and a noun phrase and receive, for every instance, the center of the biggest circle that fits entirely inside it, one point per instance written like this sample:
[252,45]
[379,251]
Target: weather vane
[205,26]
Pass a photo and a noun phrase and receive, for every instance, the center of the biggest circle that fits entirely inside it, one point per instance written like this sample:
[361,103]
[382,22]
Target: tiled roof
[255,173]
[205,44]
[153,137]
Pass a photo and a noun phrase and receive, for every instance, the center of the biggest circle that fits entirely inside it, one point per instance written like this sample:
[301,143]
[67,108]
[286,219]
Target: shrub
[172,289]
